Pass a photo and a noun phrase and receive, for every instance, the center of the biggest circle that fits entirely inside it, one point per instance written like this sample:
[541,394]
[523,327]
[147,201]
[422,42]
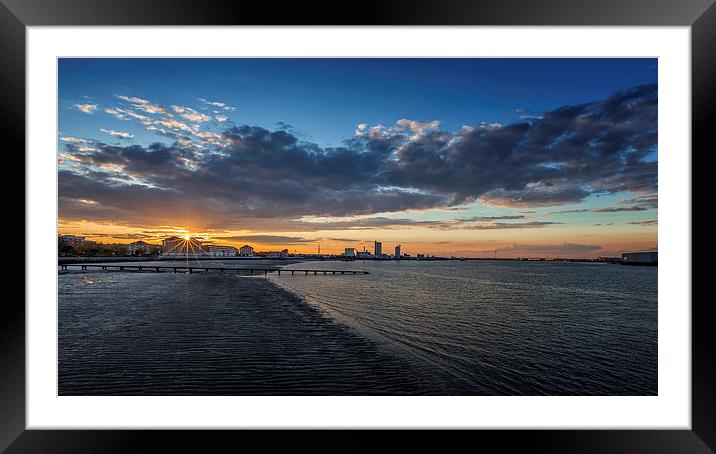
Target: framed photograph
[432,216]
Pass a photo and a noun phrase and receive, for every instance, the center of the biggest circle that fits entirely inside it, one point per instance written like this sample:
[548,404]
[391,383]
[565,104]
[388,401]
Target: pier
[205,269]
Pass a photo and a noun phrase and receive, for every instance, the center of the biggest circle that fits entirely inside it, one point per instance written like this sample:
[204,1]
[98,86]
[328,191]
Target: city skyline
[526,157]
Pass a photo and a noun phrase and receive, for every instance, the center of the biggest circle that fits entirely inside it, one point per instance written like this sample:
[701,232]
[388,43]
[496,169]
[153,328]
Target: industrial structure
[640,258]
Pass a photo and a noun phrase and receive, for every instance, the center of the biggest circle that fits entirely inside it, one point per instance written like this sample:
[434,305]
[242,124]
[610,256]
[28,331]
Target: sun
[186,237]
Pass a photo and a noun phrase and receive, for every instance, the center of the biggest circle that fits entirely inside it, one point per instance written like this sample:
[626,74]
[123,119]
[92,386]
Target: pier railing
[204,269]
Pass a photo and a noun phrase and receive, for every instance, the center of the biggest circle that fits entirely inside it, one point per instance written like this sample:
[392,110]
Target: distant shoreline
[291,260]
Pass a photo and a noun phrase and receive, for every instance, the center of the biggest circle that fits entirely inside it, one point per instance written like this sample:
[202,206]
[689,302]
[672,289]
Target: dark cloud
[619,209]
[651,201]
[490,218]
[549,213]
[250,172]
[126,236]
[267,239]
[645,223]
[505,225]
[604,210]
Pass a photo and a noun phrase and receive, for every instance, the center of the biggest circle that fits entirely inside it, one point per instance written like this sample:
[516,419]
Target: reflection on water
[167,333]
[504,327]
[406,328]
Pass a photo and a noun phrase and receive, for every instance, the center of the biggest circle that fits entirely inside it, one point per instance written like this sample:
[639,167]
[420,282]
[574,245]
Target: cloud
[251,174]
[490,218]
[133,99]
[564,248]
[345,240]
[126,115]
[212,103]
[145,105]
[125,236]
[651,201]
[606,210]
[267,239]
[505,225]
[86,108]
[191,114]
[120,134]
[645,223]
[220,104]
[73,139]
[619,209]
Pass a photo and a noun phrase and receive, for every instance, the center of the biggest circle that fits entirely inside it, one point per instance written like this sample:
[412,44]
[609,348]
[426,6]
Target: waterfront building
[71,241]
[221,251]
[171,244]
[378,249]
[283,254]
[141,247]
[246,251]
[397,252]
[364,255]
[349,252]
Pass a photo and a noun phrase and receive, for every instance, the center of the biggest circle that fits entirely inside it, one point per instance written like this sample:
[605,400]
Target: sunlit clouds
[578,179]
[86,108]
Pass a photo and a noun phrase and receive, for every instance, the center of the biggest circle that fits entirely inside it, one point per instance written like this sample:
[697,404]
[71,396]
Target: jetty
[203,269]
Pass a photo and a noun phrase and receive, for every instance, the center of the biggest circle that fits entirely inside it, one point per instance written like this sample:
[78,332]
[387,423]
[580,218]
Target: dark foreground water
[495,328]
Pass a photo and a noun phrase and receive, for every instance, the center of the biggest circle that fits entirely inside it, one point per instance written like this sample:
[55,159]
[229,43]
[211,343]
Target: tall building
[246,251]
[350,252]
[397,252]
[378,249]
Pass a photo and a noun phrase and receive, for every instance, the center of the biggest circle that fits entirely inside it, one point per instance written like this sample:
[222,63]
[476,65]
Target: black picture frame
[16,15]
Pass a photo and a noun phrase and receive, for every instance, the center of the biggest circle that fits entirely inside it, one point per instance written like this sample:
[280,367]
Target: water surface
[460,328]
[504,327]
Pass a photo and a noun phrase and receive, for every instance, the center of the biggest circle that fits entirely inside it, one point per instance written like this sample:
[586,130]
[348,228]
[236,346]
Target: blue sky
[484,153]
[324,99]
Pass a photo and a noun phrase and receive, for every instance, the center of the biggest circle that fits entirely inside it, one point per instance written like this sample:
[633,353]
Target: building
[283,254]
[364,255]
[246,251]
[140,247]
[349,252]
[221,251]
[640,258]
[397,252]
[71,241]
[378,249]
[171,245]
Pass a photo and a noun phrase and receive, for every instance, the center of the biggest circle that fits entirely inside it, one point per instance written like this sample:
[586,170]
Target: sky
[465,157]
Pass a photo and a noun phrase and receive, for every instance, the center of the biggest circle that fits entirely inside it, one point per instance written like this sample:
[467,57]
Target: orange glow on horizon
[609,241]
